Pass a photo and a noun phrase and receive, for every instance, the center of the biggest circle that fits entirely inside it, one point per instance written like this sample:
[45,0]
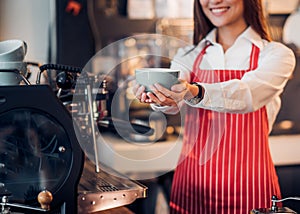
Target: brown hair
[253,14]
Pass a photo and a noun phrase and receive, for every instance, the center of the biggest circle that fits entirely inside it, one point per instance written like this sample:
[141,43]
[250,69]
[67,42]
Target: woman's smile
[223,13]
[219,10]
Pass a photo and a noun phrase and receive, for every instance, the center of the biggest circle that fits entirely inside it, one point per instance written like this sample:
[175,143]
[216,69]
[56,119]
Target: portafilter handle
[45,198]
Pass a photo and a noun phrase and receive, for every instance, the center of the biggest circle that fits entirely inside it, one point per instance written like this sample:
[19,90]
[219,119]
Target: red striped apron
[225,164]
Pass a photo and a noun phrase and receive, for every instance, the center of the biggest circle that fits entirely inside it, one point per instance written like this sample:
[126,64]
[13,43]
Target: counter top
[160,157]
[285,149]
[149,159]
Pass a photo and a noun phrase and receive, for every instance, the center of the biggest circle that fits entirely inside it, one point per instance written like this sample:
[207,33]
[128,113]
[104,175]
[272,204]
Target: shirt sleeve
[256,88]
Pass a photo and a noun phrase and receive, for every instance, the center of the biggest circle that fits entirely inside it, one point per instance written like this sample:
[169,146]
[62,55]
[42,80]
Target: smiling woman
[225,164]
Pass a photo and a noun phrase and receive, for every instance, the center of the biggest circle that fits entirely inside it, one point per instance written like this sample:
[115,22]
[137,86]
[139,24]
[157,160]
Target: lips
[219,10]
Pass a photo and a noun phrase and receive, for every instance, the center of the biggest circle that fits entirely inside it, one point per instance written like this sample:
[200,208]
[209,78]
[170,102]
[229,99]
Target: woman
[231,80]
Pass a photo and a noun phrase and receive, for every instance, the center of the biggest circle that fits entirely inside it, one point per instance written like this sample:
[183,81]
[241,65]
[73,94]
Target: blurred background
[71,32]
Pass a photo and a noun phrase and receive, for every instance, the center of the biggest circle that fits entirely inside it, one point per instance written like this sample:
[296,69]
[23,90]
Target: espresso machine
[40,150]
[48,150]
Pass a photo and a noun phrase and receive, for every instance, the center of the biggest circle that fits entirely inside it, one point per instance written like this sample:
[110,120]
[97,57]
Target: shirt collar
[249,34]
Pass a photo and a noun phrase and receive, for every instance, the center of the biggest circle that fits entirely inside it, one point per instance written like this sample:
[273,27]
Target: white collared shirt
[257,88]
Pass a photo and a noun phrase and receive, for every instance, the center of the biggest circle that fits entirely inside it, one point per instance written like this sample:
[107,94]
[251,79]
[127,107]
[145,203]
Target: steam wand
[276,200]
[90,104]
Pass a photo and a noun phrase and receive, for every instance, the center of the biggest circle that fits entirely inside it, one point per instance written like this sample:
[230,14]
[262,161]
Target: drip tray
[106,189]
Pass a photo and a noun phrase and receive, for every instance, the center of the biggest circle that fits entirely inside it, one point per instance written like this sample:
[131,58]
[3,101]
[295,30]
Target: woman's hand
[140,94]
[178,92]
[165,97]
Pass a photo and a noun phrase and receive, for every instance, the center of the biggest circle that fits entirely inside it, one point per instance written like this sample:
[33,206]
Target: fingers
[140,94]
[152,98]
[160,92]
[161,96]
[158,95]
[160,100]
[138,91]
[180,87]
[144,98]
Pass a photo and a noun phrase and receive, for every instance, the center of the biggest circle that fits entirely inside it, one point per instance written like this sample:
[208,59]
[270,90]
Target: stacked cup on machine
[12,65]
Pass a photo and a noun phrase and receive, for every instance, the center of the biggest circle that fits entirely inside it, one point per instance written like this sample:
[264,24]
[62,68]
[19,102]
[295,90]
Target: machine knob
[64,80]
[45,198]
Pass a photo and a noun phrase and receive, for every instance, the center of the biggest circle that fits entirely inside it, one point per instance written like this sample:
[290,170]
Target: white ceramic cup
[12,50]
[9,77]
[12,54]
[163,76]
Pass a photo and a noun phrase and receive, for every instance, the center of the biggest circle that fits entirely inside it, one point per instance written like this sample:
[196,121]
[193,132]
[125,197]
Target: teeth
[218,10]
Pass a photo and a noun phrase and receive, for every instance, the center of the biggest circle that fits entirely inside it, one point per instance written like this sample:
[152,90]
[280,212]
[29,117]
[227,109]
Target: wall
[75,42]
[27,20]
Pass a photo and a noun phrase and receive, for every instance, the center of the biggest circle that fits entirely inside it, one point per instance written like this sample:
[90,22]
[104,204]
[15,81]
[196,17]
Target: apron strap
[254,58]
[200,56]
